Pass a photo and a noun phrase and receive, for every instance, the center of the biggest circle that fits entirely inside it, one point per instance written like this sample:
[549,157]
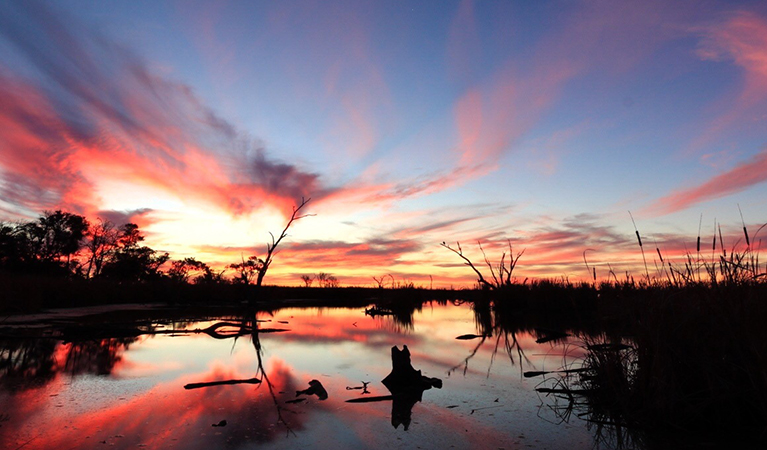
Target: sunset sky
[408,123]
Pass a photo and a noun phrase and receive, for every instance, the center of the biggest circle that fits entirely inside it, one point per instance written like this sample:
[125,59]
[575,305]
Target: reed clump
[691,366]
[673,358]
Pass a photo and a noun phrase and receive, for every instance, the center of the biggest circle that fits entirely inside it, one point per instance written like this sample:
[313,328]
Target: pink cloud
[739,178]
[464,46]
[741,39]
[96,112]
[594,37]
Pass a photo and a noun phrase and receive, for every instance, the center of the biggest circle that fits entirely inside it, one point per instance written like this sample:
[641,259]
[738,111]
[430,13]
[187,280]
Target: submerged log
[378,311]
[379,398]
[220,383]
[537,373]
[563,391]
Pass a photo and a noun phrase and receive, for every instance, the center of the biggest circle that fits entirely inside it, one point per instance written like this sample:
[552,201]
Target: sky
[554,126]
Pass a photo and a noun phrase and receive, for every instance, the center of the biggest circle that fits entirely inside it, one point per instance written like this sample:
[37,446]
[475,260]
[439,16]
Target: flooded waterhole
[240,383]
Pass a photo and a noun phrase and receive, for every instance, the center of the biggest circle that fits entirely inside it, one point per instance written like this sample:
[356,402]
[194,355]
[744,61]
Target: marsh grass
[676,358]
[679,363]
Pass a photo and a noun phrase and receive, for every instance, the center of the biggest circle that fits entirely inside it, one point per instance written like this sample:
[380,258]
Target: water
[129,392]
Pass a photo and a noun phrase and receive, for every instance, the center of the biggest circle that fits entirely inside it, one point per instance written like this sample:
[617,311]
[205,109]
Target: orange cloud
[96,113]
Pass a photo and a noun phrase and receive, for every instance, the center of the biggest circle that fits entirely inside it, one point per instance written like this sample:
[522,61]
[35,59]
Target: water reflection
[245,369]
[29,364]
[594,387]
[25,364]
[96,357]
[398,315]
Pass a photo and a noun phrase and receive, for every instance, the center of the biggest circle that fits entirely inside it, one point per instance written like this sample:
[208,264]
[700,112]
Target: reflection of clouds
[317,326]
[323,344]
[163,416]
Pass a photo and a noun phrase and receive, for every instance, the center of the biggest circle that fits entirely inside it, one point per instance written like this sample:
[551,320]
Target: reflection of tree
[27,363]
[30,363]
[97,357]
[246,326]
[489,323]
[596,389]
[264,377]
[398,313]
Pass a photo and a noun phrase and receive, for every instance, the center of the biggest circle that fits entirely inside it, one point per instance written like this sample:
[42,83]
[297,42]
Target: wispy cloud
[739,178]
[85,108]
[741,39]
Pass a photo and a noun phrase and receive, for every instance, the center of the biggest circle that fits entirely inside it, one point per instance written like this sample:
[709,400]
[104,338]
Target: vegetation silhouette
[694,366]
[676,357]
[256,266]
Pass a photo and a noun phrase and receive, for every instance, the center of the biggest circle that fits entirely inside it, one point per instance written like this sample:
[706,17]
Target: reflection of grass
[696,370]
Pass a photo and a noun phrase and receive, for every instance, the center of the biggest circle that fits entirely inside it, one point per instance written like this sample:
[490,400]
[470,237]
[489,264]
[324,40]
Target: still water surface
[129,392]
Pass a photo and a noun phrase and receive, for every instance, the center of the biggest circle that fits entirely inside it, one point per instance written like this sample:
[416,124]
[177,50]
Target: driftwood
[378,311]
[77,333]
[406,385]
[220,383]
[563,391]
[315,388]
[379,398]
[534,373]
[466,337]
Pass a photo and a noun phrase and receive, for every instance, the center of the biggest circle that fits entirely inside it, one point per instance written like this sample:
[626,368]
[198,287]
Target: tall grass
[694,371]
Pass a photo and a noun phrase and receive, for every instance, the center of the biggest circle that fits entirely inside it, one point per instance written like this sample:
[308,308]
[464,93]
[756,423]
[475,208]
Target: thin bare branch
[468,262]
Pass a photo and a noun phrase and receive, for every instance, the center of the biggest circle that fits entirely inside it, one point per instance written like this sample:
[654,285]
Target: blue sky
[407,123]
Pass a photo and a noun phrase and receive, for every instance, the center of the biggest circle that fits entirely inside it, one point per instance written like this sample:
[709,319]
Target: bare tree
[381,281]
[267,261]
[501,274]
[327,280]
[308,280]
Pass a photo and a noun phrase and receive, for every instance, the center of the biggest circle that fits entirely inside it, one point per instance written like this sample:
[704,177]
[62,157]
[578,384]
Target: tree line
[60,243]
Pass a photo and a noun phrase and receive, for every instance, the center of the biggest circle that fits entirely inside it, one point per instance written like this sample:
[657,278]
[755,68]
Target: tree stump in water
[406,385]
[403,377]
